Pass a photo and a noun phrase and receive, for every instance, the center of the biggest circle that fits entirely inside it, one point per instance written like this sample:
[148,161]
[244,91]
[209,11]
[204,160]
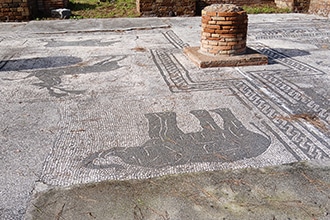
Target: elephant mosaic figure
[170,146]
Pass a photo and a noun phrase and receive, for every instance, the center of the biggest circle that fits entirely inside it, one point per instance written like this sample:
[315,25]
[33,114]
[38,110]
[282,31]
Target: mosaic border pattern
[302,143]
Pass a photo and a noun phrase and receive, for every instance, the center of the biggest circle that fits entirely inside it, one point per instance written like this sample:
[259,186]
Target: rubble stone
[62,13]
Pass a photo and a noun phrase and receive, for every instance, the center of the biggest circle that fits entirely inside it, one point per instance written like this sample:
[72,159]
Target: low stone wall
[194,7]
[165,8]
[184,7]
[17,10]
[24,10]
[320,7]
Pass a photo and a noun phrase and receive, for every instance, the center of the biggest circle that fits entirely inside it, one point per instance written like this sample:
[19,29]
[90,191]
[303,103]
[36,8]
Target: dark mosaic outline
[175,40]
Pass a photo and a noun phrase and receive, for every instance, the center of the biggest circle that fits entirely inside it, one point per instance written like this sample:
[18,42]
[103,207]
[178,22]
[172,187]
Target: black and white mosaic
[268,93]
[170,146]
[145,110]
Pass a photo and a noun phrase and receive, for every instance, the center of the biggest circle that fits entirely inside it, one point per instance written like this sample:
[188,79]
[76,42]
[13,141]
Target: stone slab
[250,58]
[292,191]
[62,13]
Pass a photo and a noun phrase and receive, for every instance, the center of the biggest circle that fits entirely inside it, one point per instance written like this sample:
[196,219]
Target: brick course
[17,10]
[223,32]
[184,7]
[165,8]
[24,10]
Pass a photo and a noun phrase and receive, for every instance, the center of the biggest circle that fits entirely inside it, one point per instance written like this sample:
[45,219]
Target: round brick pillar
[224,29]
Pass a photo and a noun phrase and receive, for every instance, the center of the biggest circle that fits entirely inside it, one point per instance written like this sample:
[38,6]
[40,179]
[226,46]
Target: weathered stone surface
[279,192]
[62,13]
[18,10]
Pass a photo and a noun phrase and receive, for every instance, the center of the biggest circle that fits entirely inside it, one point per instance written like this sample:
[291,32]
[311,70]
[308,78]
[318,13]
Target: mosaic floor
[130,104]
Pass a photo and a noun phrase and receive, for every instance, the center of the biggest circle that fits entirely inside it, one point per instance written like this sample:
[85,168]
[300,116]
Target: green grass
[127,8]
[265,9]
[102,9]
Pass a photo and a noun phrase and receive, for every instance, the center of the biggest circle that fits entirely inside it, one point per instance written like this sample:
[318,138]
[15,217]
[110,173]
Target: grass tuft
[265,9]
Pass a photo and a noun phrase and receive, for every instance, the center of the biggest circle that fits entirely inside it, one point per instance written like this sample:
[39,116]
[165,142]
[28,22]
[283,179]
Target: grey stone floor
[293,191]
[115,99]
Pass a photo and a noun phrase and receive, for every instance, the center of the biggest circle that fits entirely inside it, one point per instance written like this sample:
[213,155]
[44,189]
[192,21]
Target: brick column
[224,29]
